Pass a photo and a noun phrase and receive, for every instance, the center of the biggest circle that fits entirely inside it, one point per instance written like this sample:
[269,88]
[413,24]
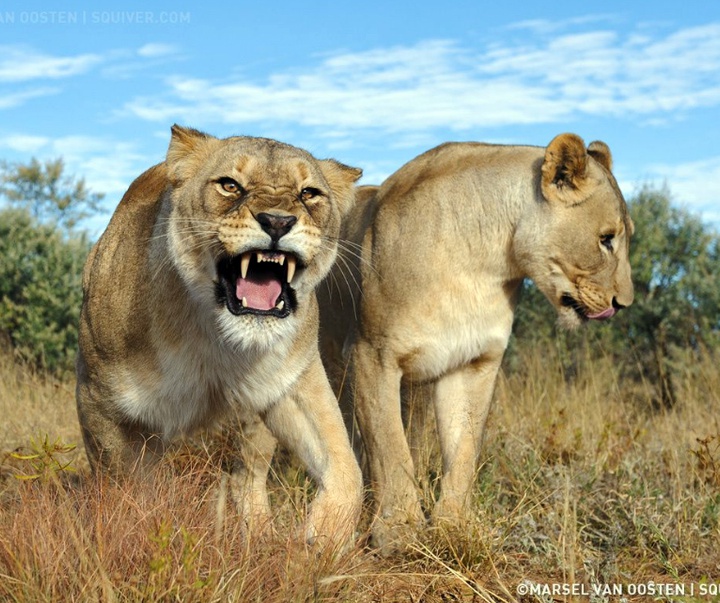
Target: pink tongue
[260,293]
[602,315]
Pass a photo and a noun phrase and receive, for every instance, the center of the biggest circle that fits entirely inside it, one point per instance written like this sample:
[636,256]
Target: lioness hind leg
[462,403]
[114,448]
[250,473]
[121,451]
[310,424]
[392,475]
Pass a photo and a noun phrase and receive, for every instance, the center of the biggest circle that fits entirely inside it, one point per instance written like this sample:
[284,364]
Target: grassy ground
[582,482]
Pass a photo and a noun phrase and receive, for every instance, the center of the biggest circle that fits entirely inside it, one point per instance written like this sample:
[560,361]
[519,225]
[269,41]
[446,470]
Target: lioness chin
[442,249]
[199,304]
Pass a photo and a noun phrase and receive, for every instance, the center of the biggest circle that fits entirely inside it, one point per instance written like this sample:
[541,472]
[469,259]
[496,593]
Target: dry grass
[583,481]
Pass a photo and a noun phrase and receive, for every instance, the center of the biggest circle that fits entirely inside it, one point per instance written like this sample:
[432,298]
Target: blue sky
[372,84]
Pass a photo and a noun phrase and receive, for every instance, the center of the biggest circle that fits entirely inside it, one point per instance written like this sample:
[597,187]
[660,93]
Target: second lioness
[442,248]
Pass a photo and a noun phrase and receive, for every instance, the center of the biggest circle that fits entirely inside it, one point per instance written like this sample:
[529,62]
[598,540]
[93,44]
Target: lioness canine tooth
[244,264]
[291,268]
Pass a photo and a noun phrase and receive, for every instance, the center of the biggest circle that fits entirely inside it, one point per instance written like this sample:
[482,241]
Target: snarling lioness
[199,303]
[443,247]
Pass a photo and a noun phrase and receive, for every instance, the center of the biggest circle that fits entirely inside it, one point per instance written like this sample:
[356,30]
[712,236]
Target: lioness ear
[188,148]
[564,170]
[600,152]
[341,179]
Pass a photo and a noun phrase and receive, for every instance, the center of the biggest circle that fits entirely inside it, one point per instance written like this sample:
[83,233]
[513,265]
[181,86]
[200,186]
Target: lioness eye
[607,241]
[308,193]
[229,185]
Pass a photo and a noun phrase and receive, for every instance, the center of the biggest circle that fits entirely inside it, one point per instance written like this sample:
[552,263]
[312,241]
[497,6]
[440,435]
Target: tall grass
[582,480]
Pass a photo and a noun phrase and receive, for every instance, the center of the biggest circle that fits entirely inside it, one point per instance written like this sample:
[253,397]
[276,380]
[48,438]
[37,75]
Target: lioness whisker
[356,289]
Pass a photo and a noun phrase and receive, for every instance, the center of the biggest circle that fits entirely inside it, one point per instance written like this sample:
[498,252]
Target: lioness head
[576,252]
[253,226]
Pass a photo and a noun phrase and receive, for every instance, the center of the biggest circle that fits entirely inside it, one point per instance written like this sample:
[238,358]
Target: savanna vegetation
[601,462]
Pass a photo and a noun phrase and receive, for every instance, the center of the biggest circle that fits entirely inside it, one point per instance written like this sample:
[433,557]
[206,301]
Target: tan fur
[162,355]
[439,251]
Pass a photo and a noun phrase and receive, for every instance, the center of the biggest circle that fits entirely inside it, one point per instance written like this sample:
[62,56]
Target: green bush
[40,289]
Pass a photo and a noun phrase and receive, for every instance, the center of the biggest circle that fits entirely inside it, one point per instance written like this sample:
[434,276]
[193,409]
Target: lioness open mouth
[569,301]
[257,282]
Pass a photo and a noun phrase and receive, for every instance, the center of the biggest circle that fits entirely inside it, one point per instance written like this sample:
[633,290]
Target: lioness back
[115,257]
[453,234]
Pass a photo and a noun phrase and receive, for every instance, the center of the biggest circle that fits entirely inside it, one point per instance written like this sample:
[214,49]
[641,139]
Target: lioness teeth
[280,305]
[291,263]
[244,264]
[244,302]
[277,258]
[273,257]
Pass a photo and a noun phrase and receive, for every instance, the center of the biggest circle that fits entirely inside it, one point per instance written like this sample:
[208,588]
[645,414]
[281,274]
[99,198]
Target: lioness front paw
[450,512]
[395,534]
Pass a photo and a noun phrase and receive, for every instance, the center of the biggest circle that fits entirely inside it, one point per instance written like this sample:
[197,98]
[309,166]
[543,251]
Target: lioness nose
[275,225]
[620,305]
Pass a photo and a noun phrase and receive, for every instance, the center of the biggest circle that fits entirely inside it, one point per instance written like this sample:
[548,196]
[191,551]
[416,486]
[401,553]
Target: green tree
[40,289]
[47,193]
[41,260]
[675,260]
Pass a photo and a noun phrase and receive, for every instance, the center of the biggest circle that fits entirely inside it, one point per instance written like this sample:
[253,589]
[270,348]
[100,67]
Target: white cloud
[546,27]
[154,50]
[438,83]
[127,64]
[108,166]
[694,185]
[19,64]
[24,143]
[425,86]
[602,72]
[8,101]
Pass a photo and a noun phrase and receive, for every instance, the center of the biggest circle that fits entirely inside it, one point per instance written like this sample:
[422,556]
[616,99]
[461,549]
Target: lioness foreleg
[418,418]
[310,424]
[462,402]
[392,473]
